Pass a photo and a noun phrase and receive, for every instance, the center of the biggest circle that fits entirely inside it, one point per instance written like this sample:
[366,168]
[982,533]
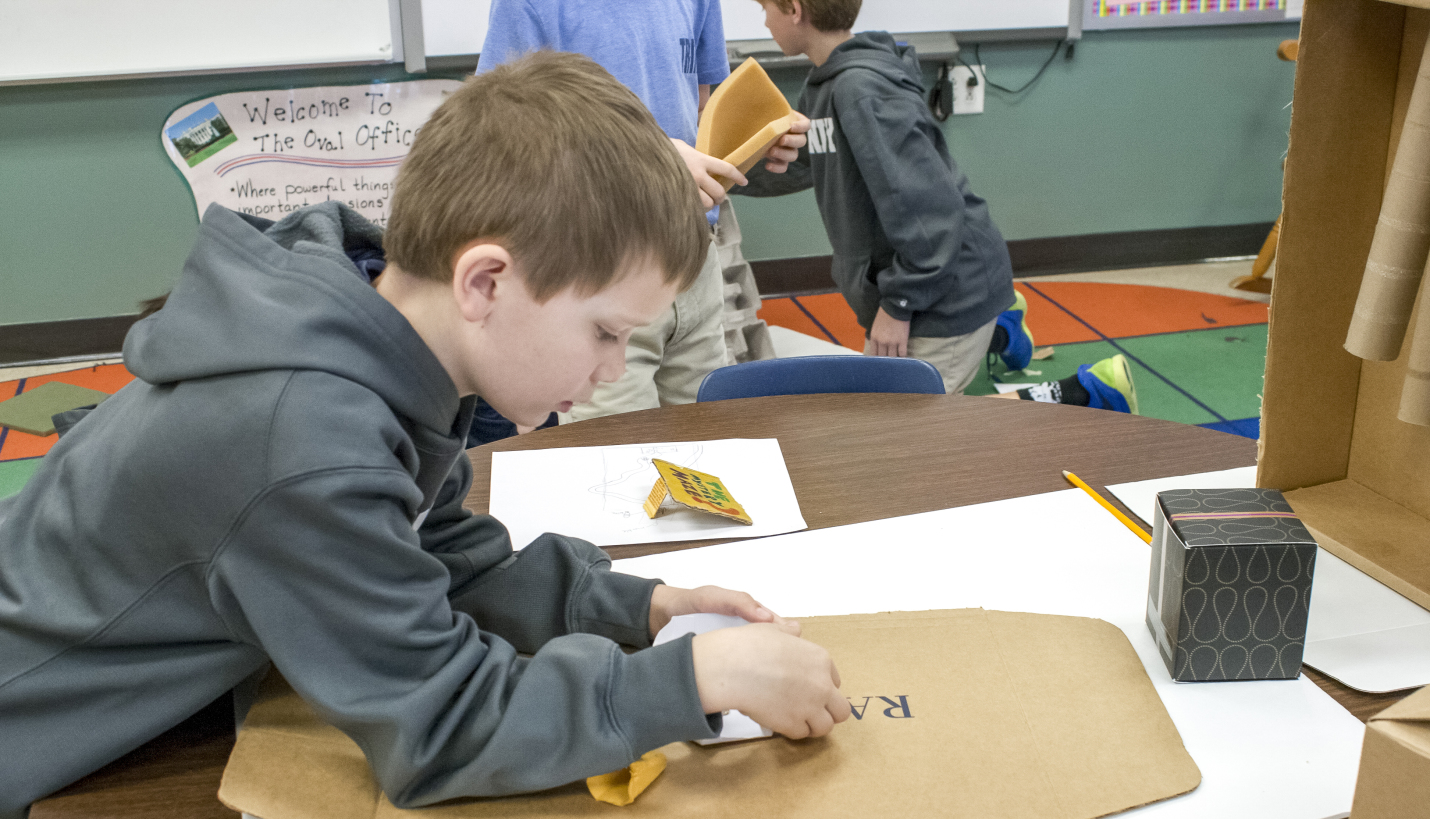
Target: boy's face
[784,28]
[535,358]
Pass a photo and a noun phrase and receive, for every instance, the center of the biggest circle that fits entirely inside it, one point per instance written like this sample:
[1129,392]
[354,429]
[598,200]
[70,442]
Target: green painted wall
[1149,129]
[1160,128]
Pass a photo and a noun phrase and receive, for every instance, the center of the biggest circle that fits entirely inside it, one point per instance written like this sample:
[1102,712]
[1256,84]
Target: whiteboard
[745,19]
[75,39]
[451,27]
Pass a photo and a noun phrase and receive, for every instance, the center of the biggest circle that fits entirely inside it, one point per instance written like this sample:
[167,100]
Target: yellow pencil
[1126,521]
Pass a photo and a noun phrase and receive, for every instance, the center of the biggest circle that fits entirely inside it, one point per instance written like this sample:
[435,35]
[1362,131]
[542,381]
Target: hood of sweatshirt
[259,295]
[876,51]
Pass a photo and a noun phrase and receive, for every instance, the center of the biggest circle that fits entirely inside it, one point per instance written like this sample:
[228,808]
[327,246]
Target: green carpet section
[1220,367]
[1224,368]
[13,475]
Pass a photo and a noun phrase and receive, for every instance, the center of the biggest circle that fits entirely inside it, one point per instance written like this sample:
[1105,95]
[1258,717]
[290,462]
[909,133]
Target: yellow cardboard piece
[700,491]
[620,788]
[967,714]
[743,118]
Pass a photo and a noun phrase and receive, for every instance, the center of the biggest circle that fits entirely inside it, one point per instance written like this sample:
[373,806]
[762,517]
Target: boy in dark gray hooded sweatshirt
[283,482]
[916,254]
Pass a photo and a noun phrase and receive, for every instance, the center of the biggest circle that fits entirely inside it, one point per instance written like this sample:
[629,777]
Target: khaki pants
[745,332]
[667,360]
[957,358]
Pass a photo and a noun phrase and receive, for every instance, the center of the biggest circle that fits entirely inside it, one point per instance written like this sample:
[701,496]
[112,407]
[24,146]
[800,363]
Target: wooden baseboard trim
[1055,255]
[47,341]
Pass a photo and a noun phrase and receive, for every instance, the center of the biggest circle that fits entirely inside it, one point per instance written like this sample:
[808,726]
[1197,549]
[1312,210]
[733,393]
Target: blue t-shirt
[663,51]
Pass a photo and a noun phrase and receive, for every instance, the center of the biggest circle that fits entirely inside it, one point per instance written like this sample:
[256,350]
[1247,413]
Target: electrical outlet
[967,99]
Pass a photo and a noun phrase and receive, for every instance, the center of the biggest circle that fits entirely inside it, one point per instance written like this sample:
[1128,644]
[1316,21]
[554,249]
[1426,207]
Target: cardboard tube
[1402,237]
[1415,395]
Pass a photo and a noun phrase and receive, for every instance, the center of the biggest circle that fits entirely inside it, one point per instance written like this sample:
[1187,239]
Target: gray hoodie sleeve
[766,184]
[356,615]
[555,586]
[915,193]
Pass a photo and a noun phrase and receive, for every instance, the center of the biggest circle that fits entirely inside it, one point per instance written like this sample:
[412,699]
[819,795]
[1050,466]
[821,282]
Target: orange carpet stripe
[1118,310]
[782,312]
[1125,310]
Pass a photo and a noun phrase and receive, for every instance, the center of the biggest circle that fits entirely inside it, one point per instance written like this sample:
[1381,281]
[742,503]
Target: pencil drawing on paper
[627,476]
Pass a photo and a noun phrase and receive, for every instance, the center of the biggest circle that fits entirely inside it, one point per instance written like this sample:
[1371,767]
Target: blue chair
[805,375]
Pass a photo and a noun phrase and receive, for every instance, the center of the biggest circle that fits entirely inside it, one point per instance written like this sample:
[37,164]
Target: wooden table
[852,458]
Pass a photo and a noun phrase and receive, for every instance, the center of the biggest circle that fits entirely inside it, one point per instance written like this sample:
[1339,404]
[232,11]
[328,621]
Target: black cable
[991,84]
[941,96]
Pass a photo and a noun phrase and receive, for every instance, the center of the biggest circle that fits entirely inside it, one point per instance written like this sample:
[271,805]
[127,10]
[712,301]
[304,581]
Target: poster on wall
[1113,14]
[268,153]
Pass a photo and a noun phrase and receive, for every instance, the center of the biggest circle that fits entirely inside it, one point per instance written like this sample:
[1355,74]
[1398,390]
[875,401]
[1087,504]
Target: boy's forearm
[554,587]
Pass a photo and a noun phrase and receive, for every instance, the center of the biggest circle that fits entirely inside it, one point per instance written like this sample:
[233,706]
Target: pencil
[1126,521]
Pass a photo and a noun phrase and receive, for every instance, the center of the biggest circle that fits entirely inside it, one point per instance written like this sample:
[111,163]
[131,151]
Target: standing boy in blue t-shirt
[669,53]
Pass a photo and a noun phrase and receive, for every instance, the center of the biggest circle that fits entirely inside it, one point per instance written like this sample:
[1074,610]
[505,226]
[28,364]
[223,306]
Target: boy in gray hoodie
[916,253]
[283,482]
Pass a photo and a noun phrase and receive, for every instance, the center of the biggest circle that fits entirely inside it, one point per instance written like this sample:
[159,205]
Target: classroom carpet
[1197,358]
[20,452]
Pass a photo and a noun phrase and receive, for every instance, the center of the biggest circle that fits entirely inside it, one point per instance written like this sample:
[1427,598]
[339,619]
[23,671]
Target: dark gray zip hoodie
[284,482]
[908,233]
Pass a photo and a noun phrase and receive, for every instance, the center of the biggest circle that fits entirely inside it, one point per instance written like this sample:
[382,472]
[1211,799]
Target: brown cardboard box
[1358,477]
[1394,778]
[961,713]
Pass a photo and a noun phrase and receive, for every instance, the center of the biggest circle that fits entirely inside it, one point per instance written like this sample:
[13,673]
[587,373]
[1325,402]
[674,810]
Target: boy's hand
[786,148]
[704,168]
[889,335]
[784,683]
[667,602]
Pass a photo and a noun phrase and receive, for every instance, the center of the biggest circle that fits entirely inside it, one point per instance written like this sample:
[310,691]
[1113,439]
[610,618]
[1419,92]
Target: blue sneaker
[1109,382]
[1020,339]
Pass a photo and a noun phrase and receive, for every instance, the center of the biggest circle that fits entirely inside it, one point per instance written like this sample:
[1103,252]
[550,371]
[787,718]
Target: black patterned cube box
[1230,588]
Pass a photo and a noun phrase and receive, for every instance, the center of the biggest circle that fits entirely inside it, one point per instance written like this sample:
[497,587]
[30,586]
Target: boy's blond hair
[824,15]
[552,158]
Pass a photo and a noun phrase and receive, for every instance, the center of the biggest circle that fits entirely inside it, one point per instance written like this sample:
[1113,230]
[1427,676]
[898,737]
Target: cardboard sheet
[1331,439]
[964,713]
[1057,554]
[1361,632]
[1396,260]
[743,118]
[1394,778]
[596,493]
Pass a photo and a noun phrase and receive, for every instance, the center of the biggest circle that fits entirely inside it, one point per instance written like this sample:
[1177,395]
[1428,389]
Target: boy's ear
[481,270]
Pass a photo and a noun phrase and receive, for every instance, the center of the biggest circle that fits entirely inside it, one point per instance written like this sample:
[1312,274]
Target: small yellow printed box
[693,490]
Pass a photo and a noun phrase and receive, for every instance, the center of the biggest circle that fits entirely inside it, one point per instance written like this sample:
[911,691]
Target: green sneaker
[1109,382]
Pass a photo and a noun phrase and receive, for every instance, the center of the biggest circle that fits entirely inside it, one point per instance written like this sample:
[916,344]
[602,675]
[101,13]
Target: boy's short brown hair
[552,158]
[824,15]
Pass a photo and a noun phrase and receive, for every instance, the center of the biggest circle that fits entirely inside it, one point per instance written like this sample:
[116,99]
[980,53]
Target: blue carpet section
[1245,427]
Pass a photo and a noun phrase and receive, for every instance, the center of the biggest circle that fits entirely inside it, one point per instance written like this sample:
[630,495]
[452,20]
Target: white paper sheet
[1360,631]
[736,726]
[595,493]
[1282,748]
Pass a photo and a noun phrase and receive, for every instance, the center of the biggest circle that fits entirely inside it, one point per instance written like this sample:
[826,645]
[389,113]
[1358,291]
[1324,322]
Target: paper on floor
[595,493]
[1360,632]
[1053,554]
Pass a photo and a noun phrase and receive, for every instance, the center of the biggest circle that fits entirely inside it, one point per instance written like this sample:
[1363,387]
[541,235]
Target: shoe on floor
[1109,383]
[1014,321]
